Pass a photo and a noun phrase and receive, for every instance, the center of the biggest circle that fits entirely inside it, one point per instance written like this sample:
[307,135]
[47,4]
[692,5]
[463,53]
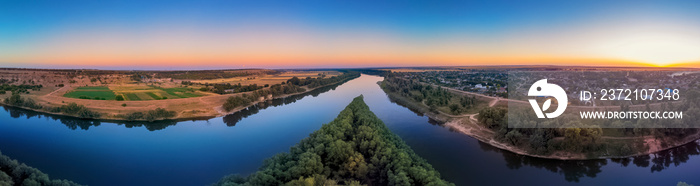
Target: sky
[177,34]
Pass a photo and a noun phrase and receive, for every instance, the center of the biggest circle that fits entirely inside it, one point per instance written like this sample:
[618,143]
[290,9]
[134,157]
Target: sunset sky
[318,34]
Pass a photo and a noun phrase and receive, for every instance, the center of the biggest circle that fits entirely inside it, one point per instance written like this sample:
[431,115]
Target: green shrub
[13,172]
[17,100]
[151,115]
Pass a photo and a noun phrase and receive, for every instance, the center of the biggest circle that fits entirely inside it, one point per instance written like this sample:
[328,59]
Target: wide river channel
[201,152]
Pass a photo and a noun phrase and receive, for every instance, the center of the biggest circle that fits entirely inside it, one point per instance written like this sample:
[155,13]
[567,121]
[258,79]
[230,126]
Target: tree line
[75,109]
[72,109]
[246,99]
[151,115]
[212,74]
[354,149]
[13,172]
[433,97]
[18,101]
[228,88]
[17,89]
[321,81]
[293,85]
[586,136]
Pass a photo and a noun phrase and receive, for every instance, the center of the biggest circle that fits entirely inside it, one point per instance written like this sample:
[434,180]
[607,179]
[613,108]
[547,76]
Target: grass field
[132,97]
[132,92]
[153,95]
[98,93]
[179,92]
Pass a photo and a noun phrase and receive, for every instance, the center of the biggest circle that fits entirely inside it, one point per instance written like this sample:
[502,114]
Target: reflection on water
[85,124]
[234,118]
[230,120]
[573,170]
[675,156]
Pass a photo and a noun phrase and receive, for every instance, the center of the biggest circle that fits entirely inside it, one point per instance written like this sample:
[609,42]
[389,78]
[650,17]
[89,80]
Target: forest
[354,149]
[211,74]
[228,88]
[13,172]
[293,85]
[585,136]
[320,81]
[236,88]
[436,98]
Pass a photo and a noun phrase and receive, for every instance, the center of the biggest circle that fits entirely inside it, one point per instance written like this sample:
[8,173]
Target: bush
[17,100]
[236,101]
[54,109]
[151,115]
[76,110]
[134,116]
[119,98]
[85,113]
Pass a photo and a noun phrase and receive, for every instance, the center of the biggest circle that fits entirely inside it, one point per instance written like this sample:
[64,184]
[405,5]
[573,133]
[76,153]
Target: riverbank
[468,124]
[196,108]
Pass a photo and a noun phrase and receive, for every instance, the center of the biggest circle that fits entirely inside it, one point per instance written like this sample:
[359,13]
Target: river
[201,152]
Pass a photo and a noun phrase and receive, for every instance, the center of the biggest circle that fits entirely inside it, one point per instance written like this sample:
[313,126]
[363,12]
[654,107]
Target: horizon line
[339,68]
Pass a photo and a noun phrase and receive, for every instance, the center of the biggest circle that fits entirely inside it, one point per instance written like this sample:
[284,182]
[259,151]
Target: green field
[132,97]
[153,95]
[133,93]
[97,93]
[179,92]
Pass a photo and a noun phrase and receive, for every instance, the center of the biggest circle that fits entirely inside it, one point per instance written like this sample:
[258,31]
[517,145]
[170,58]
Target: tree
[236,101]
[455,108]
[119,98]
[354,149]
[13,172]
[294,81]
[514,137]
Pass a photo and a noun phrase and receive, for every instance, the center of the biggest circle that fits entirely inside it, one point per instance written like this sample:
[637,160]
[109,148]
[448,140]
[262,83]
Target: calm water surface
[201,152]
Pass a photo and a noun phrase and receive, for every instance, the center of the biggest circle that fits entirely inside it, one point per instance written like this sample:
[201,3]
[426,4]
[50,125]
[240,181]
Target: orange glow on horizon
[269,45]
[342,61]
